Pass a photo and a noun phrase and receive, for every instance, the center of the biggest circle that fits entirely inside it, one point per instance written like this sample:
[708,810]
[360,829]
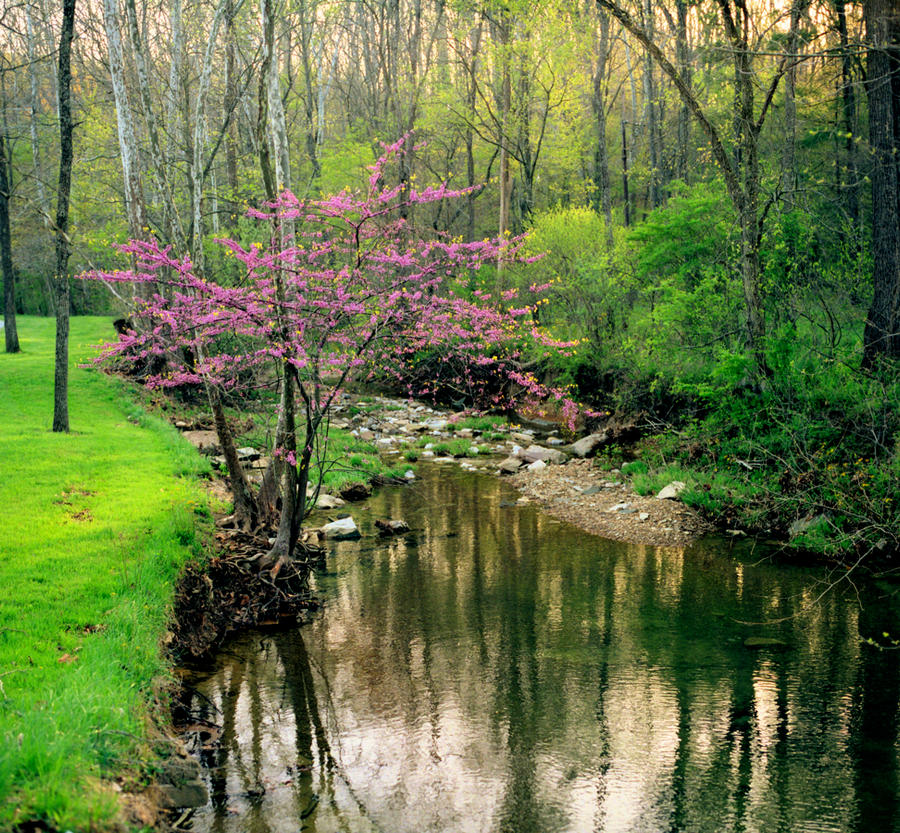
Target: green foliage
[485,423]
[91,551]
[589,294]
[691,235]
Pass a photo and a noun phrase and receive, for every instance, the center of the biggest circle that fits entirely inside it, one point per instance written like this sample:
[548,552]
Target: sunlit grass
[94,528]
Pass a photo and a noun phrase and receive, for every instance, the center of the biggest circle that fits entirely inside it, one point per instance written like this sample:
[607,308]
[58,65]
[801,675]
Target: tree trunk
[307,21]
[882,331]
[245,509]
[683,52]
[849,180]
[9,286]
[626,197]
[651,107]
[174,229]
[789,150]
[231,96]
[474,41]
[64,74]
[602,191]
[197,142]
[134,196]
[33,109]
[504,104]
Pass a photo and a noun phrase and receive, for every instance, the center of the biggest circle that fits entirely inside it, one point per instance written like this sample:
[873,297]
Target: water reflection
[496,670]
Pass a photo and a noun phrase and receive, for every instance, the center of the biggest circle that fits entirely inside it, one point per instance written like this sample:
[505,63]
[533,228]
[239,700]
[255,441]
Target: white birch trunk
[134,201]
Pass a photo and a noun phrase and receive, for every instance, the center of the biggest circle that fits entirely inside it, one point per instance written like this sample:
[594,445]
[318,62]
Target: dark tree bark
[882,330]
[9,285]
[61,375]
[848,182]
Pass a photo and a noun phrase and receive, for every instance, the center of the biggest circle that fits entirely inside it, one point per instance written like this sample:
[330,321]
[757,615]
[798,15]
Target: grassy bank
[94,528]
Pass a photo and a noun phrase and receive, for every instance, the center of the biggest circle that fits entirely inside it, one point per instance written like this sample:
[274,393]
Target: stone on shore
[538,452]
[672,491]
[510,465]
[587,446]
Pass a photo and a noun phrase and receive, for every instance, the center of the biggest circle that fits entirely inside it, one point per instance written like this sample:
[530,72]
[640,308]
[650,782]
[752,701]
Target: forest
[712,189]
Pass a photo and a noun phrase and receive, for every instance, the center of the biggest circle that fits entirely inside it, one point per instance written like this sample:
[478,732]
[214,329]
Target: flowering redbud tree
[344,290]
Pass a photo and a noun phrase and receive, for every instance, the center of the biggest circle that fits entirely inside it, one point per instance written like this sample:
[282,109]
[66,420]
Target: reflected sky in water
[497,670]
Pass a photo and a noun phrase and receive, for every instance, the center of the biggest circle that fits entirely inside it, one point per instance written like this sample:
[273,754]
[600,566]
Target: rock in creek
[760,642]
[329,502]
[344,529]
[391,526]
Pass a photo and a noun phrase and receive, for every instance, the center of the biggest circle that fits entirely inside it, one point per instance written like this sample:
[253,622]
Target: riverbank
[96,527]
[596,495]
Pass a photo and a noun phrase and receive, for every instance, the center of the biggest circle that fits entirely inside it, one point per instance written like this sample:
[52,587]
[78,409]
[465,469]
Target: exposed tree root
[230,592]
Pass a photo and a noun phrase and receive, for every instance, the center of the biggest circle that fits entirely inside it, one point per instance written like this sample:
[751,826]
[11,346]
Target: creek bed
[498,670]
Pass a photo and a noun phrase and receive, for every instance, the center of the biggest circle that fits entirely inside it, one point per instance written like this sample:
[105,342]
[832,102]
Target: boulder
[344,529]
[548,455]
[672,491]
[391,526]
[366,435]
[510,465]
[329,502]
[587,446]
[355,491]
[520,437]
[537,465]
[248,454]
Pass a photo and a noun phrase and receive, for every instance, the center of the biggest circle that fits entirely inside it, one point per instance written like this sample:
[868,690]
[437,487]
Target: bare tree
[9,278]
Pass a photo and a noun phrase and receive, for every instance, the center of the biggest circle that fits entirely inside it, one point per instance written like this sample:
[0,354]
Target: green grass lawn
[94,528]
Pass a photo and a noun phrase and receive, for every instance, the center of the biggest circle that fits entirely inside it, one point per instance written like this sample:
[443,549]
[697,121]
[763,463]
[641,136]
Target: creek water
[498,670]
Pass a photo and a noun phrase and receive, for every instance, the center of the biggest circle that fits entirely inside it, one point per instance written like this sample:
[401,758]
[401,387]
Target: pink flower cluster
[353,292]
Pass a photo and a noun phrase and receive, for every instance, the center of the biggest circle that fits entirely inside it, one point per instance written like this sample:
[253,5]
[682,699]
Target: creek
[498,670]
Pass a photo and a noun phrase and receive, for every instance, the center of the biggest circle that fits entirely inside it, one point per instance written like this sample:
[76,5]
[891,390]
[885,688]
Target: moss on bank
[95,527]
